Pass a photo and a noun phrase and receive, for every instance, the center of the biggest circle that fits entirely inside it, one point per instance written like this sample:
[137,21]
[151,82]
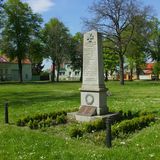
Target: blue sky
[70,12]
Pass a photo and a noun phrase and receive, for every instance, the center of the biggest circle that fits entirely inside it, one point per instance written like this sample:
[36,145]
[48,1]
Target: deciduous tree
[20,27]
[57,40]
[114,18]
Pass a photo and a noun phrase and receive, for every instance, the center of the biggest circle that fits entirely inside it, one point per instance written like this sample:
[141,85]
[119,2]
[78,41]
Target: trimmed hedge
[94,126]
[129,126]
[124,127]
[76,132]
[43,120]
[46,118]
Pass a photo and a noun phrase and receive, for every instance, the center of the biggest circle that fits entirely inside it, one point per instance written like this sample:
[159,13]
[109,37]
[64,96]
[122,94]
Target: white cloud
[40,5]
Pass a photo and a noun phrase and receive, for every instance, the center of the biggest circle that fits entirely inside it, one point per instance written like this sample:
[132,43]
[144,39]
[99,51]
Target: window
[61,73]
[26,76]
[76,73]
[6,71]
[1,71]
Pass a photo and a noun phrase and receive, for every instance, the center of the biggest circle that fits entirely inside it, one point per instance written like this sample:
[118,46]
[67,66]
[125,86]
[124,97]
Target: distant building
[9,70]
[148,72]
[67,73]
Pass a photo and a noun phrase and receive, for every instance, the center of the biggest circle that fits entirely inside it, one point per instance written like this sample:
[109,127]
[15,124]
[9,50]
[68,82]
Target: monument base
[81,118]
[95,99]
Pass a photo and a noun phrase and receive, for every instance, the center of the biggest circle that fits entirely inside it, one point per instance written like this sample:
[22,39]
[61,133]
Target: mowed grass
[29,99]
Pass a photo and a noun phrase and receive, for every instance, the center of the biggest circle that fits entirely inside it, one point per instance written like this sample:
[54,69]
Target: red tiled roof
[149,66]
[5,59]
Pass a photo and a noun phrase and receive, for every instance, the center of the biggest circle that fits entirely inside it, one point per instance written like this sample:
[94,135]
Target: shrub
[41,124]
[30,124]
[76,132]
[20,122]
[39,117]
[89,127]
[35,124]
[94,126]
[48,122]
[61,119]
[26,119]
[128,126]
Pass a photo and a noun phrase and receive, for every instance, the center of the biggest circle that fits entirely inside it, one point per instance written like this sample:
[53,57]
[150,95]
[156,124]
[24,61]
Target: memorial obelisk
[93,90]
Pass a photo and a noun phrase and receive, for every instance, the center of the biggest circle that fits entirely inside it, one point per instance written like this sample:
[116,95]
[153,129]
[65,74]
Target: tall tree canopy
[111,60]
[138,47]
[36,55]
[57,41]
[21,25]
[154,43]
[114,19]
[1,13]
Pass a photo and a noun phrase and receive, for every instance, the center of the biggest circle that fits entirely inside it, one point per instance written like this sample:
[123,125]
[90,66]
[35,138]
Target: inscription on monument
[93,90]
[87,111]
[90,58]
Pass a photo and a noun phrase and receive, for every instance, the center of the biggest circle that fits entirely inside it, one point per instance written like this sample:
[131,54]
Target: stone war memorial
[93,90]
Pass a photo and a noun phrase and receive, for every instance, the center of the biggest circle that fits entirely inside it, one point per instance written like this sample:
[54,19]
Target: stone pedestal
[93,90]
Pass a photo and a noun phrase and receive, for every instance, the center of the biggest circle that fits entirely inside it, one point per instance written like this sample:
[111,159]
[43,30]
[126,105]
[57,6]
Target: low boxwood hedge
[123,127]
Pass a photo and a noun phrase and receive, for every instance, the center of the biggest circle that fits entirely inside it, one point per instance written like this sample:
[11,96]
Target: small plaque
[87,111]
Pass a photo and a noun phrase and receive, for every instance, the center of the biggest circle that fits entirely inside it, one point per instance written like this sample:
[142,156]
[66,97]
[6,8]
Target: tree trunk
[121,62]
[131,74]
[137,72]
[106,75]
[53,72]
[157,77]
[58,69]
[20,70]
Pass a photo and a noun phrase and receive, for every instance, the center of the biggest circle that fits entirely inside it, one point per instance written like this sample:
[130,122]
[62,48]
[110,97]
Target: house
[148,72]
[9,70]
[67,73]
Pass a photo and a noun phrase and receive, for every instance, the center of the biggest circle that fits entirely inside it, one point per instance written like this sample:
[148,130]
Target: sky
[71,12]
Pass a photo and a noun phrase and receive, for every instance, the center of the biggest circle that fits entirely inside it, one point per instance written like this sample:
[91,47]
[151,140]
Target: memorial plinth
[93,90]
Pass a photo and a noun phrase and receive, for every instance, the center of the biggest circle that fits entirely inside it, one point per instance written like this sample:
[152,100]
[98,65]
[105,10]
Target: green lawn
[29,99]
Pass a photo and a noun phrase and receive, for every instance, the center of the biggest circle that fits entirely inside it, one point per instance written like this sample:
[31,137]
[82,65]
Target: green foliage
[129,126]
[111,59]
[20,122]
[48,122]
[21,25]
[43,120]
[36,55]
[30,124]
[154,43]
[33,124]
[57,42]
[29,99]
[61,119]
[156,69]
[76,132]
[94,126]
[1,14]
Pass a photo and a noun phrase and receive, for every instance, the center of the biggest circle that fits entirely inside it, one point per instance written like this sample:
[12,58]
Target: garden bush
[39,117]
[76,132]
[129,126]
[61,119]
[94,126]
